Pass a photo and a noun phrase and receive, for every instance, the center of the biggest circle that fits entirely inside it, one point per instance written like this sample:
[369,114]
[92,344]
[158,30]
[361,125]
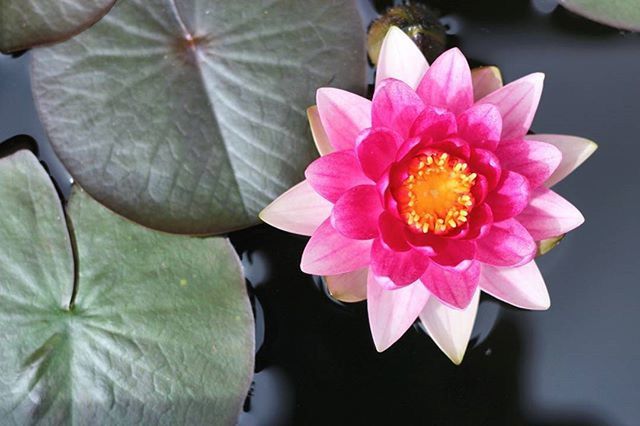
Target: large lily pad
[189,116]
[624,14]
[28,23]
[160,330]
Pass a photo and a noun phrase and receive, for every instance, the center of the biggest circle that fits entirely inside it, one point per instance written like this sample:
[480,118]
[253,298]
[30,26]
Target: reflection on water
[576,364]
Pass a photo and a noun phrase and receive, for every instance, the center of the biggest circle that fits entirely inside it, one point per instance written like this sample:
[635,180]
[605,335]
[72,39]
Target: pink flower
[430,193]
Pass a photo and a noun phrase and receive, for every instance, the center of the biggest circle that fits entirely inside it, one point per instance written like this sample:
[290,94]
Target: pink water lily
[430,193]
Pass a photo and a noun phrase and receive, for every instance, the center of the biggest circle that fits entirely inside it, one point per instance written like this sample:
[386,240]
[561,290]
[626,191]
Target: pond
[575,364]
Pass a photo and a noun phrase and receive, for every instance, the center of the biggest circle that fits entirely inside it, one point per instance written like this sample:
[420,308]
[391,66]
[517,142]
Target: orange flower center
[436,195]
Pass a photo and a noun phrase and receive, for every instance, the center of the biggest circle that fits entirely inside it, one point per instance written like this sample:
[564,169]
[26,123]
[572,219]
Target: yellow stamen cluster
[436,195]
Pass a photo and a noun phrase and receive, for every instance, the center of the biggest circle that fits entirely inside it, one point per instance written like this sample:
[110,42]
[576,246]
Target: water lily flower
[430,193]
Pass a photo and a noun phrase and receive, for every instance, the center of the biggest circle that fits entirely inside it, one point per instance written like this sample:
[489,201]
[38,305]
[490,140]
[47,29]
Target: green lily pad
[623,14]
[189,116]
[159,330]
[28,23]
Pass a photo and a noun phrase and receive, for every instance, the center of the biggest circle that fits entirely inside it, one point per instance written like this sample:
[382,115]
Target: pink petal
[507,244]
[522,286]
[356,213]
[485,162]
[549,215]
[517,103]
[392,312]
[348,287]
[401,267]
[574,151]
[481,126]
[343,115]
[447,83]
[450,328]
[454,252]
[330,253]
[392,232]
[395,106]
[485,80]
[401,59]
[510,197]
[453,286]
[300,210]
[434,124]
[480,222]
[376,149]
[333,174]
[534,160]
[320,137]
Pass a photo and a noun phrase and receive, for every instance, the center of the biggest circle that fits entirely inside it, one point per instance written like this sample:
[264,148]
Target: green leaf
[161,330]
[28,23]
[623,14]
[189,116]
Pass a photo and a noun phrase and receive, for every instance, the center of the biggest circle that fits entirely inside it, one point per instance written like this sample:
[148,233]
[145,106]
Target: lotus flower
[430,193]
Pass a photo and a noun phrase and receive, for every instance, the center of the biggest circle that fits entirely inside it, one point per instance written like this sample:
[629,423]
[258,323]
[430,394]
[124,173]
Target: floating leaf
[623,14]
[28,23]
[161,329]
[189,116]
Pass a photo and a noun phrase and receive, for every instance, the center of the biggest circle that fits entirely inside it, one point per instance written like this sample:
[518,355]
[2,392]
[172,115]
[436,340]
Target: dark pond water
[576,364]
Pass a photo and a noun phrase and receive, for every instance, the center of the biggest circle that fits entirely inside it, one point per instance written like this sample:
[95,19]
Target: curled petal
[549,215]
[487,164]
[328,252]
[517,103]
[348,287]
[300,210]
[522,286]
[401,267]
[343,116]
[510,197]
[400,59]
[450,328]
[485,80]
[447,83]
[355,214]
[333,174]
[376,149]
[320,137]
[481,125]
[507,244]
[534,160]
[395,106]
[454,287]
[574,151]
[392,312]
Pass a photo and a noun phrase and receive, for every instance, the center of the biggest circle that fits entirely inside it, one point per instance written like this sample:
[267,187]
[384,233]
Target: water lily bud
[417,21]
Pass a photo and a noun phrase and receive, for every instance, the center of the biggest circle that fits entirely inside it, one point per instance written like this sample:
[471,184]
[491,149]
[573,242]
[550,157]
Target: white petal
[522,287]
[575,151]
[485,80]
[392,312]
[450,328]
[348,287]
[401,59]
[300,210]
[320,137]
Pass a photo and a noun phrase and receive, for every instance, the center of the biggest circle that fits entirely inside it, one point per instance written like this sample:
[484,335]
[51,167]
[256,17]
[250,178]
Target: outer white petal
[300,210]
[401,59]
[392,312]
[450,328]
[348,287]
[320,137]
[522,287]
[575,151]
[485,80]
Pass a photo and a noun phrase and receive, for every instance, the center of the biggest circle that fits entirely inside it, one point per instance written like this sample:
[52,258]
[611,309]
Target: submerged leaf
[189,116]
[160,330]
[28,23]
